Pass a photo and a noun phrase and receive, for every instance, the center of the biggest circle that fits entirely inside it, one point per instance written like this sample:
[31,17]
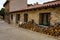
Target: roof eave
[37,8]
[5,3]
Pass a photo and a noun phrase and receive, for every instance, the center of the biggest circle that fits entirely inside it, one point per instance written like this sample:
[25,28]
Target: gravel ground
[8,32]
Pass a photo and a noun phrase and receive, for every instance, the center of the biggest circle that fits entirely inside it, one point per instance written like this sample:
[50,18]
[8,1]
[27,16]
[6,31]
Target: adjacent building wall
[7,7]
[17,5]
[6,12]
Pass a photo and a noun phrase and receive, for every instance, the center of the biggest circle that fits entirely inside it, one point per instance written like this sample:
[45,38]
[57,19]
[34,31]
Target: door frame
[17,18]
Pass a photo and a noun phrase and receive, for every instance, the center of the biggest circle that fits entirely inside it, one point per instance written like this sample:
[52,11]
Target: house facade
[42,14]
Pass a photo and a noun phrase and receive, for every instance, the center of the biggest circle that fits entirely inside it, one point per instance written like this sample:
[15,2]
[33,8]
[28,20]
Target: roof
[40,6]
[5,3]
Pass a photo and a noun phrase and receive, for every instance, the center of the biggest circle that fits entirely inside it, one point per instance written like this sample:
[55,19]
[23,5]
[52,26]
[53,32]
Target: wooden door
[17,18]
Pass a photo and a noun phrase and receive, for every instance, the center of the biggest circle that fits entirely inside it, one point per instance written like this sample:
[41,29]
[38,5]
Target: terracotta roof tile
[48,4]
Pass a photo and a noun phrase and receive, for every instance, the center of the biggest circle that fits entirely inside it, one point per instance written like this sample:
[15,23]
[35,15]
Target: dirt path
[7,32]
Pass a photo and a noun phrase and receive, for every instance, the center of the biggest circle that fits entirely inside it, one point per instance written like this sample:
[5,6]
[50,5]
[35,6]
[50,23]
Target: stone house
[45,14]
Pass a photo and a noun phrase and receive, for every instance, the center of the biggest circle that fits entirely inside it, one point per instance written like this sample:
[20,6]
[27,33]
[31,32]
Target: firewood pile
[53,31]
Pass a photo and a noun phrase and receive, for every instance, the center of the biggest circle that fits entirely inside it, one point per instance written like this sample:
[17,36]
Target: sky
[29,2]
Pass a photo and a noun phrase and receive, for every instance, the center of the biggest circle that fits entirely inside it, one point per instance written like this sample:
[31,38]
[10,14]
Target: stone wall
[55,16]
[34,14]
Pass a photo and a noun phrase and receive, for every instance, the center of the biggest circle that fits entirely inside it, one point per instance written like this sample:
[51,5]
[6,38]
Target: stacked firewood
[53,31]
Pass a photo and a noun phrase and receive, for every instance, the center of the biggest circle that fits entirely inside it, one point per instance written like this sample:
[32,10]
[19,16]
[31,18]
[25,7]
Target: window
[44,19]
[25,17]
